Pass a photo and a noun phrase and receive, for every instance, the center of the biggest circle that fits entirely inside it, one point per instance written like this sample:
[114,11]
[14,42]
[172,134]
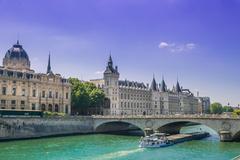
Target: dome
[16,58]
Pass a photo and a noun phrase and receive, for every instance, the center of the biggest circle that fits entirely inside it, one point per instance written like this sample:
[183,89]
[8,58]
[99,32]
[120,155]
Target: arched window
[50,107]
[56,109]
[43,107]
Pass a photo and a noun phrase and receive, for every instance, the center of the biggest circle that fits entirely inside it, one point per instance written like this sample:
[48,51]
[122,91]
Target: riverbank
[28,128]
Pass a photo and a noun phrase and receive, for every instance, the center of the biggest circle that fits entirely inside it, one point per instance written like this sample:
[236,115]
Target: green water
[107,147]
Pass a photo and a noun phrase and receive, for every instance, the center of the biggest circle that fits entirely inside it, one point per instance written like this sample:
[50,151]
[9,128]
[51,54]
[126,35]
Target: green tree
[216,108]
[96,97]
[85,95]
[227,109]
[236,112]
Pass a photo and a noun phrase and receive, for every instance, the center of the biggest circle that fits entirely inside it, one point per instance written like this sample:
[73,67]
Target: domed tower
[16,58]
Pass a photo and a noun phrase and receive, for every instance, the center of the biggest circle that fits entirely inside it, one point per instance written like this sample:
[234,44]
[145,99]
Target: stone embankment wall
[21,128]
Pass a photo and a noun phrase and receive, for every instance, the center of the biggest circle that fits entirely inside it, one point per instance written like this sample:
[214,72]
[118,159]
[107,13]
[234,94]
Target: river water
[117,147]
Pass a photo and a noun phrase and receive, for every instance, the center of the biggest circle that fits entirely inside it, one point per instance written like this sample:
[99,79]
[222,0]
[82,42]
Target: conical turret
[153,85]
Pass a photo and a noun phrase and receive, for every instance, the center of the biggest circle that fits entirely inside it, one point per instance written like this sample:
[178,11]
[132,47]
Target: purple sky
[198,41]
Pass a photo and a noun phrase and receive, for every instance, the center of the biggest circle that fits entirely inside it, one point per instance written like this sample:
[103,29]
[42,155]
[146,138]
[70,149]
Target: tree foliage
[85,95]
[216,108]
[236,112]
[228,109]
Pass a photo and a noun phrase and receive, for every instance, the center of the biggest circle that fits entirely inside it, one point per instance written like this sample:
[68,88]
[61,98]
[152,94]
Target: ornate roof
[110,69]
[16,58]
[16,51]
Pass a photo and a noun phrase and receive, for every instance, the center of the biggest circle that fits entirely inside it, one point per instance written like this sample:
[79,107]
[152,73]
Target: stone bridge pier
[227,129]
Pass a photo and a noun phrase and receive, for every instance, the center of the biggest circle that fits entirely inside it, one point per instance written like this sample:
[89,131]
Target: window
[13,102]
[43,94]
[33,106]
[23,92]
[66,95]
[50,94]
[22,105]
[22,102]
[56,95]
[4,90]
[34,93]
[14,91]
[3,102]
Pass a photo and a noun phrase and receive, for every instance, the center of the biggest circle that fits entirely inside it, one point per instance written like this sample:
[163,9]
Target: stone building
[204,104]
[135,98]
[23,89]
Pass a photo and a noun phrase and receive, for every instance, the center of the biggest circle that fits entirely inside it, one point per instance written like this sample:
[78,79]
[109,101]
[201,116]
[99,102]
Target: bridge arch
[176,126]
[113,126]
[236,137]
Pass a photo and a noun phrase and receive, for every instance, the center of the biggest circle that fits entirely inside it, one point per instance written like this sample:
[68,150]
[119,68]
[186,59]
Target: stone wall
[21,128]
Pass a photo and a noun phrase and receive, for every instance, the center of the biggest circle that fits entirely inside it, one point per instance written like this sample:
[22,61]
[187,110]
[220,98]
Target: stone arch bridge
[228,128]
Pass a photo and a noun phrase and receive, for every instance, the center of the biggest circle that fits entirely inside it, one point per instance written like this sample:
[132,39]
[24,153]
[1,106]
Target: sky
[196,42]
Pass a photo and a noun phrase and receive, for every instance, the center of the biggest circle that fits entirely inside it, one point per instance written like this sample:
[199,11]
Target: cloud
[177,48]
[190,45]
[99,72]
[163,45]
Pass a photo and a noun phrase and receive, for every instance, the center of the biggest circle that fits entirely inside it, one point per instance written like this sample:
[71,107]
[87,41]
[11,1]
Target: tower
[111,78]
[155,98]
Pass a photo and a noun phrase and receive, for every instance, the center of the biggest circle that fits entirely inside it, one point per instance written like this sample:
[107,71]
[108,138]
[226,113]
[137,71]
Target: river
[117,147]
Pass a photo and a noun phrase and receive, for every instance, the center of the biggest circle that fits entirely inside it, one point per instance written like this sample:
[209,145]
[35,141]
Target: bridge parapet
[192,116]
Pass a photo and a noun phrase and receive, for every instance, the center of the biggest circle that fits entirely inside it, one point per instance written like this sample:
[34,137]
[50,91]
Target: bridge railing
[182,116]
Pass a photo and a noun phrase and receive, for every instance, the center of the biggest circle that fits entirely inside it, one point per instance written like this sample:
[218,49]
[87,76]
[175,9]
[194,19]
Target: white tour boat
[155,140]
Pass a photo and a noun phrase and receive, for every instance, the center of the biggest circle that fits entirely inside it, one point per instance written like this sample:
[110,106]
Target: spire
[110,62]
[178,88]
[49,65]
[154,84]
[110,68]
[17,42]
[163,85]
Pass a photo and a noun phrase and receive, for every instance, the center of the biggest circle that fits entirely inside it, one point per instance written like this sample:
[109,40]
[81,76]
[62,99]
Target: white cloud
[163,45]
[177,48]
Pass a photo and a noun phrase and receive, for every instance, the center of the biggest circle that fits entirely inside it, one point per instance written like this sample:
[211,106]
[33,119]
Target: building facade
[134,98]
[23,89]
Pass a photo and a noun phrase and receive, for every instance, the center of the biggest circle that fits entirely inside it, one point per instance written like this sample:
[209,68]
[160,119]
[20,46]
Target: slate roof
[127,83]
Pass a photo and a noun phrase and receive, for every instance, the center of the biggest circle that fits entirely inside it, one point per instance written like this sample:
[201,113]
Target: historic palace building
[23,89]
[134,98]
